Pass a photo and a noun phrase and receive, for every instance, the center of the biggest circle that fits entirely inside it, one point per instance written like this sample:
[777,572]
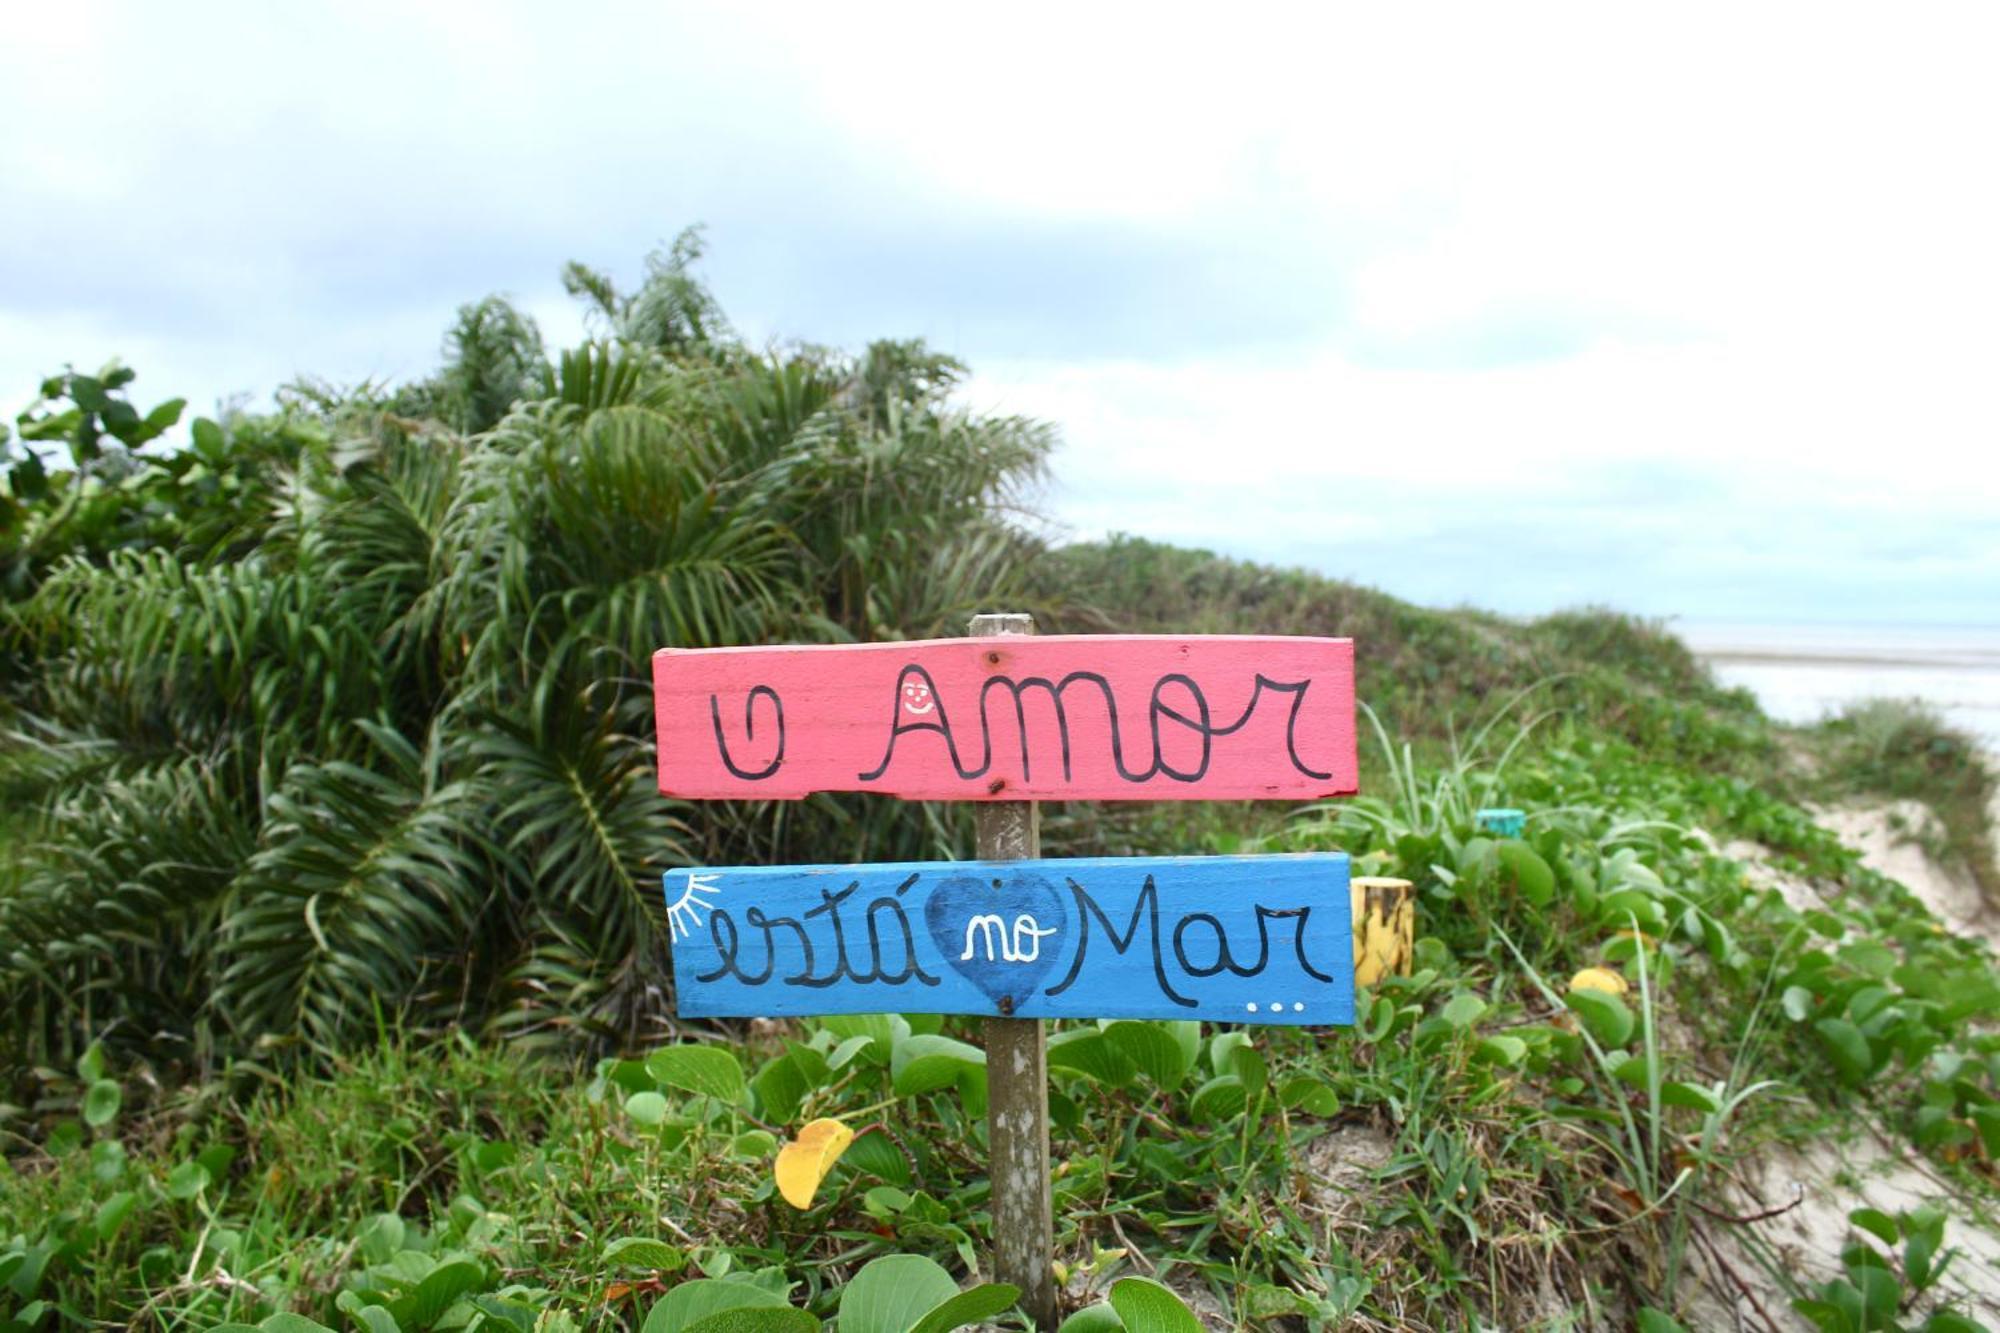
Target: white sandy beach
[1802,672]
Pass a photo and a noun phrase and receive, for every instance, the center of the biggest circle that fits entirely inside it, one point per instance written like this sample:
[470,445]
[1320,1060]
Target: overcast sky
[1694,312]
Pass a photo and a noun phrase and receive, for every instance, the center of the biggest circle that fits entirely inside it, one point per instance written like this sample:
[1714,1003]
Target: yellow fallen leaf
[1599,978]
[803,1163]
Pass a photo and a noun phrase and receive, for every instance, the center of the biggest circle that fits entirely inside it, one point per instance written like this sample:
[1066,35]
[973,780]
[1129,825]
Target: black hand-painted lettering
[1298,916]
[1224,961]
[722,930]
[1197,718]
[749,732]
[1086,907]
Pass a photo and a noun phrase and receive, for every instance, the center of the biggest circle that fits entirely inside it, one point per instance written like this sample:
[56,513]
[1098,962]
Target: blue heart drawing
[1001,934]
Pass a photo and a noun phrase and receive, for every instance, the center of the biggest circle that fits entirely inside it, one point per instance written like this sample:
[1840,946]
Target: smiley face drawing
[917,698]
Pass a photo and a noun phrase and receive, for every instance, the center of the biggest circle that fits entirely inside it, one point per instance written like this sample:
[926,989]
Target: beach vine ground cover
[1513,1107]
[331,942]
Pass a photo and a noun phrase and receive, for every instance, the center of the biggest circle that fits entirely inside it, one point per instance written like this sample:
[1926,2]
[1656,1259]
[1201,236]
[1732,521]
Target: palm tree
[377,745]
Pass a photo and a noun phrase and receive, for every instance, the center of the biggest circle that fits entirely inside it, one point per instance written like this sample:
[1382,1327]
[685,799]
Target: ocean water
[1802,672]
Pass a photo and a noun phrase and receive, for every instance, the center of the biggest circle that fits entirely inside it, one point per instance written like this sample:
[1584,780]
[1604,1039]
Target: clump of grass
[1903,749]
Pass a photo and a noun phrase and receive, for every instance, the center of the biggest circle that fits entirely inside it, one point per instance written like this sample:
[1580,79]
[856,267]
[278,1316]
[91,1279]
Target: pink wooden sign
[1012,718]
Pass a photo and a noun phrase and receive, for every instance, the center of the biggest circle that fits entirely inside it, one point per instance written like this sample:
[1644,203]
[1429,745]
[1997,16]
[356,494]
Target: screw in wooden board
[1017,1073]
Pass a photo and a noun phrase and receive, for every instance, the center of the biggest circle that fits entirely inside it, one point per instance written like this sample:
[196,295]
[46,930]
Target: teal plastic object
[1501,822]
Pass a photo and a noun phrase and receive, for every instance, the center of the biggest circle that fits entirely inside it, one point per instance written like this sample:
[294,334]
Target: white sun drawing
[685,913]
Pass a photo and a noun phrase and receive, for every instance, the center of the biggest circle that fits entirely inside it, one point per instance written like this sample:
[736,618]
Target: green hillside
[335,966]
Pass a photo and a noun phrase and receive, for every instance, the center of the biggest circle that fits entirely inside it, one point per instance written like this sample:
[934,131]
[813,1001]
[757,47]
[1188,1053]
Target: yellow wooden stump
[1385,928]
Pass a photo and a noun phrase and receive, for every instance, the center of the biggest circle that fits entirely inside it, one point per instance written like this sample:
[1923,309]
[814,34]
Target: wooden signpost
[1006,719]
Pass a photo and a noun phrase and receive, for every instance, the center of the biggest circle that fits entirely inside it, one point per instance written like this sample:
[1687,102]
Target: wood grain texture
[1244,939]
[1017,1069]
[1062,717]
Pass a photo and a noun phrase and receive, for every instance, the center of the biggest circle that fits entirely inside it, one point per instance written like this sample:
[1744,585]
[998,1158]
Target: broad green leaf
[1247,1063]
[286,1322]
[1307,1093]
[1187,1032]
[215,1159]
[707,1071]
[1222,1050]
[87,392]
[1867,1002]
[100,1104]
[89,1065]
[1987,1120]
[1692,1095]
[1381,1018]
[1658,1321]
[704,1296]
[890,1294]
[1154,1048]
[187,1180]
[773,1320]
[648,1108]
[1501,1049]
[971,1306]
[1086,1051]
[754,1143]
[1606,1016]
[381,1237]
[1918,1252]
[111,1214]
[1099,1318]
[442,1288]
[1881,1292]
[1797,1002]
[639,1252]
[376,1319]
[1221,1098]
[875,1155]
[1846,1048]
[925,1064]
[505,1313]
[1530,873]
[846,1051]
[1463,1010]
[784,1083]
[1876,1223]
[1633,1070]
[1144,1306]
[107,1160]
[881,1030]
[65,1138]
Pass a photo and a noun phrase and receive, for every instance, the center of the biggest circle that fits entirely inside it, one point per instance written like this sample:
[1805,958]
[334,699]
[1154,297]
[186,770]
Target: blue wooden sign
[1244,939]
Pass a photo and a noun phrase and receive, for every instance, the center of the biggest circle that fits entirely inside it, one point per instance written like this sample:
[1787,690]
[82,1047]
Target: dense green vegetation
[334,960]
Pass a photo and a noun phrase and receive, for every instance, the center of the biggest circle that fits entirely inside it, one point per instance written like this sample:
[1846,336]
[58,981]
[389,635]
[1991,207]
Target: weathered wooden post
[1017,1073]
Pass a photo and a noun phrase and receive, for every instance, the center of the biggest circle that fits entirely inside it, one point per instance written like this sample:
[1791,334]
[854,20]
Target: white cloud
[1633,290]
